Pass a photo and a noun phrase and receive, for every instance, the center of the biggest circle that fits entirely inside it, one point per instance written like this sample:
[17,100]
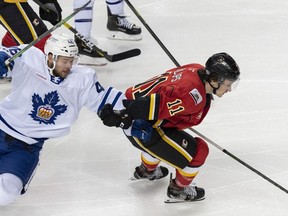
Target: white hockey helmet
[61,45]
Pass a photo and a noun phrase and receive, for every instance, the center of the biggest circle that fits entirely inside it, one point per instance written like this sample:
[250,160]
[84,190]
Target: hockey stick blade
[110,58]
[123,55]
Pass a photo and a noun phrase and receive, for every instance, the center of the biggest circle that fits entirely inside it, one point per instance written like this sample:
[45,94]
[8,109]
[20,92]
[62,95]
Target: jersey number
[144,88]
[99,88]
[172,104]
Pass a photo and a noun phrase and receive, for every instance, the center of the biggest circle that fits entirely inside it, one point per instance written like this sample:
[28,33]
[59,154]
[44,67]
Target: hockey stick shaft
[152,33]
[88,43]
[193,130]
[8,61]
[239,160]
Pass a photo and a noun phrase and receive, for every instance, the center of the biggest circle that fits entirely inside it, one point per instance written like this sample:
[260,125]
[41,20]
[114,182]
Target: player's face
[63,66]
[225,87]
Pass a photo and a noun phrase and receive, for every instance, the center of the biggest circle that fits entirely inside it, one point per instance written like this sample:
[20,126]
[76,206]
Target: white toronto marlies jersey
[43,106]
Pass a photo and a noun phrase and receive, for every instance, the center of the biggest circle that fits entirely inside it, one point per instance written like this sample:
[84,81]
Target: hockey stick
[193,130]
[152,33]
[111,58]
[88,43]
[239,160]
[8,61]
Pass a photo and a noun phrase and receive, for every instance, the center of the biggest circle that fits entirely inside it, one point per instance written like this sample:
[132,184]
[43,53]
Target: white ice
[86,173]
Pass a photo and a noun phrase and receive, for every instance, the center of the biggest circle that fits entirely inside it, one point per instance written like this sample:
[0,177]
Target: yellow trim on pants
[15,1]
[171,143]
[10,30]
[29,24]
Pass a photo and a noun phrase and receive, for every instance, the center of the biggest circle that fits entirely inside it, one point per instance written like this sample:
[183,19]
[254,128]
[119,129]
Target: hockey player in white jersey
[118,25]
[47,92]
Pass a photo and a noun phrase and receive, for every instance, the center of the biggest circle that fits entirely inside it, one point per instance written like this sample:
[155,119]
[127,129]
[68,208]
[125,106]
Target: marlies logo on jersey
[56,80]
[196,96]
[45,111]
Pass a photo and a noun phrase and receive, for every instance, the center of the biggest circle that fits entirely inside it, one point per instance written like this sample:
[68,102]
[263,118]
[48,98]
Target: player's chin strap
[214,89]
[53,64]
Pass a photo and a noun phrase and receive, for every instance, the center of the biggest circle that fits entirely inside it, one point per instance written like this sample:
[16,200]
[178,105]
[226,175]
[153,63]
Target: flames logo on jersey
[45,111]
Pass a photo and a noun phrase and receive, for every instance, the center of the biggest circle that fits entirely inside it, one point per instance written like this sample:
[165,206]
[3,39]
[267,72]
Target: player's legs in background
[119,26]
[24,26]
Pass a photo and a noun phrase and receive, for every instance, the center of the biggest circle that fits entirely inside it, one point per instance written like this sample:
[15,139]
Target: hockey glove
[142,130]
[3,67]
[114,118]
[53,14]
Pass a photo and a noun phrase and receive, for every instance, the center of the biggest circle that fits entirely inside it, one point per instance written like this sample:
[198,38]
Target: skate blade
[115,35]
[172,200]
[5,80]
[92,64]
[141,179]
[91,61]
[136,179]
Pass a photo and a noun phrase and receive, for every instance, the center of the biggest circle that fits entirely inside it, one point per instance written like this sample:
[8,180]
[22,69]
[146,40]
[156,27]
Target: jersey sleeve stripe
[116,98]
[104,99]
[152,107]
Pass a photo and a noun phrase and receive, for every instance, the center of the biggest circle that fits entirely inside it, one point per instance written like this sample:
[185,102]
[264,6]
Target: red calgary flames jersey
[181,97]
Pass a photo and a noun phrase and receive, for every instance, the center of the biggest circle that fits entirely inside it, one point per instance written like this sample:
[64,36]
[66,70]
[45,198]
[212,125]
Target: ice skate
[190,193]
[141,172]
[121,29]
[89,56]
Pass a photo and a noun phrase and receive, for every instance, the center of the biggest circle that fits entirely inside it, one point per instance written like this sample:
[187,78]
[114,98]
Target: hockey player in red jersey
[161,108]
